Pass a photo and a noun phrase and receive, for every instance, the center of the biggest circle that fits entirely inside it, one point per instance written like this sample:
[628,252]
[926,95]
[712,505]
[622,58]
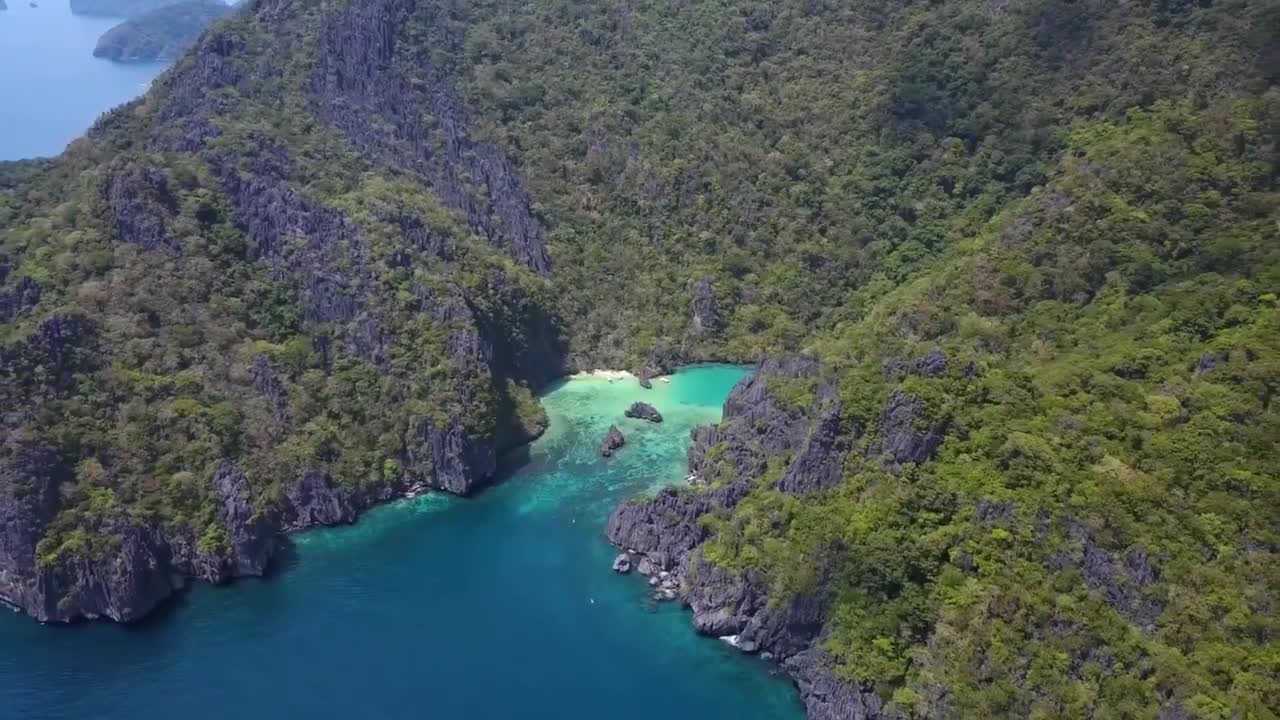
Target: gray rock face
[29,478]
[446,458]
[820,464]
[315,499]
[931,364]
[250,534]
[644,411]
[1124,580]
[901,439]
[827,697]
[18,299]
[269,386]
[704,310]
[147,564]
[361,90]
[139,202]
[622,564]
[613,440]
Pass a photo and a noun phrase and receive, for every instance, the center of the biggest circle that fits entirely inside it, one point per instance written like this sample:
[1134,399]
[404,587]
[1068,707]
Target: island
[160,34]
[116,8]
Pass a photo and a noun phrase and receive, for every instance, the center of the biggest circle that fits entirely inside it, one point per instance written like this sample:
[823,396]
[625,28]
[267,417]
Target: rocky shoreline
[155,562]
[662,536]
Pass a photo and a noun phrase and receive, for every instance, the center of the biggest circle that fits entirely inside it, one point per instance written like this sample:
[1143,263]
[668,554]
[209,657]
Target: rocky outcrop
[827,697]
[820,463]
[704,310]
[1125,580]
[643,411]
[269,386]
[446,457]
[931,365]
[250,534]
[29,477]
[316,499]
[143,566]
[139,203]
[906,434]
[613,440]
[18,299]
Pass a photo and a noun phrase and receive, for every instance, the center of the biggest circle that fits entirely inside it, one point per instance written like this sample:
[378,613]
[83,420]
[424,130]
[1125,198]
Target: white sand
[604,374]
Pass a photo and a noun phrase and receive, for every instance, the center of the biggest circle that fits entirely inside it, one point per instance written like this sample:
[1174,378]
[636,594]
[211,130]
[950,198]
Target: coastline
[353,508]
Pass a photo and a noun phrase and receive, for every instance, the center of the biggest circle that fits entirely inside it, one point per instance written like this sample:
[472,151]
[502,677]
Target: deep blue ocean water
[52,88]
[494,607]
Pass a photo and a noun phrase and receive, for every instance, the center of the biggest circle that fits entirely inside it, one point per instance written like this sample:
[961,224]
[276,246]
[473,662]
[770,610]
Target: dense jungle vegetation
[1075,200]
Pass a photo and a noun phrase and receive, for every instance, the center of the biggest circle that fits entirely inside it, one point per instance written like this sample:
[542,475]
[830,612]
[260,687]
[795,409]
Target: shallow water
[498,606]
[52,88]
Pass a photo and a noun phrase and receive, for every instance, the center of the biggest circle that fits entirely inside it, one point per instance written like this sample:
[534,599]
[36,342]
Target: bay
[497,606]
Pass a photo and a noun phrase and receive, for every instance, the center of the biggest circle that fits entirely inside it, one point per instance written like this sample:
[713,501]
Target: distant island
[160,34]
[117,8]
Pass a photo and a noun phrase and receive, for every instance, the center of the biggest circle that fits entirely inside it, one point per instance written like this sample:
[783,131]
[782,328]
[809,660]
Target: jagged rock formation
[363,92]
[161,34]
[613,440]
[704,310]
[643,411]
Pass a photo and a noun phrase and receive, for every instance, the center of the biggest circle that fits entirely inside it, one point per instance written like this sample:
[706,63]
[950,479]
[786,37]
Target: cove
[52,88]
[498,606]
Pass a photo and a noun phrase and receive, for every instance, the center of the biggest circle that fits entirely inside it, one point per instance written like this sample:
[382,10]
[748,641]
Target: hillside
[160,34]
[1011,269]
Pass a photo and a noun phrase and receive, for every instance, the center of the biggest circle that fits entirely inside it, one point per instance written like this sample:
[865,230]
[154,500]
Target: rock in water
[160,34]
[644,411]
[613,440]
[622,564]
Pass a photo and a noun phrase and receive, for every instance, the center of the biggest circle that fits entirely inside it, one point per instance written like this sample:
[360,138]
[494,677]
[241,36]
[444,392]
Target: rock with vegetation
[161,34]
[643,411]
[1020,258]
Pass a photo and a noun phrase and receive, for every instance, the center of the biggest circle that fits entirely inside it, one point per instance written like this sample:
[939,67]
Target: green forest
[1075,200]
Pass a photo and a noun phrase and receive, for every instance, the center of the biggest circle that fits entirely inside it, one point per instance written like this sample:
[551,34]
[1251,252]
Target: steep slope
[201,351]
[1011,267]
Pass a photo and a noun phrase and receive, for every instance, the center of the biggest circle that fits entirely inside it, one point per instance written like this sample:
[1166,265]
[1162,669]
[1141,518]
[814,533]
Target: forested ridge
[1027,249]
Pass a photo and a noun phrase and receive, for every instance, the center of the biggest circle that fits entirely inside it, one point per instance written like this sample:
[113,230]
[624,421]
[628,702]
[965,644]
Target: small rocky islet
[644,411]
[613,440]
